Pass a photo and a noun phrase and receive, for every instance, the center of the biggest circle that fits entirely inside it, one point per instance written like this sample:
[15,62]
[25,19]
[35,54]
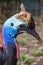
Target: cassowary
[11,28]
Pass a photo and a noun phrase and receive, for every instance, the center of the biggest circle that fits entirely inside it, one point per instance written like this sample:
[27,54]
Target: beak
[23,28]
[35,34]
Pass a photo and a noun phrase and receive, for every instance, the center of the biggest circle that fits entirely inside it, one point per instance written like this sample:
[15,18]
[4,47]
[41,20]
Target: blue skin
[9,31]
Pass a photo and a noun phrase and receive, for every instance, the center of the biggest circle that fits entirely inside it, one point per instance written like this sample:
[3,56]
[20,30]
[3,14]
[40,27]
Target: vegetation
[1,0]
[29,60]
[21,42]
[26,36]
[22,57]
[26,60]
[36,52]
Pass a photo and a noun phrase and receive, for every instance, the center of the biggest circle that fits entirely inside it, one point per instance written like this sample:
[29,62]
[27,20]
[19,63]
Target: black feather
[11,56]
[32,24]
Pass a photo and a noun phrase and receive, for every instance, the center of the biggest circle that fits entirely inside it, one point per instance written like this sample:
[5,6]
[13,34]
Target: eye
[22,26]
[12,24]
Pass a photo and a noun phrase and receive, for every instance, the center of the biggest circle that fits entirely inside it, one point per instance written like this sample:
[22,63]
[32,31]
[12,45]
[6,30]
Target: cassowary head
[13,27]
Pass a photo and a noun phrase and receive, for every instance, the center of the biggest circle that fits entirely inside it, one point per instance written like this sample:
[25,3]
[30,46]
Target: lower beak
[34,33]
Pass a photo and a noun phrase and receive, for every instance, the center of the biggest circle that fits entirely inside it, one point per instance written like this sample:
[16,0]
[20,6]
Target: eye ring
[12,24]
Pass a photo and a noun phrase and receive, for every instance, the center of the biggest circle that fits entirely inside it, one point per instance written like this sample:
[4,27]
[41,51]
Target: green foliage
[22,57]
[24,34]
[26,60]
[1,0]
[36,52]
[20,41]
[5,0]
[29,60]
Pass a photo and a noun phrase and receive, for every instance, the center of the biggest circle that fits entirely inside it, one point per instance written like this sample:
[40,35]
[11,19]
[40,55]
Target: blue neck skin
[9,36]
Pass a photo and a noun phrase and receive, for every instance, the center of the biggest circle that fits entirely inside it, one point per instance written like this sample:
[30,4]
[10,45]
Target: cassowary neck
[8,36]
[10,39]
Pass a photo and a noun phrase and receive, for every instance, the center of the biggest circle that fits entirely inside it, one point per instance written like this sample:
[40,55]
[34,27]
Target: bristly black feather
[11,56]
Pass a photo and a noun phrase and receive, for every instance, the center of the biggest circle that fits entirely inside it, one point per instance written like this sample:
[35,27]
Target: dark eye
[12,24]
[21,26]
